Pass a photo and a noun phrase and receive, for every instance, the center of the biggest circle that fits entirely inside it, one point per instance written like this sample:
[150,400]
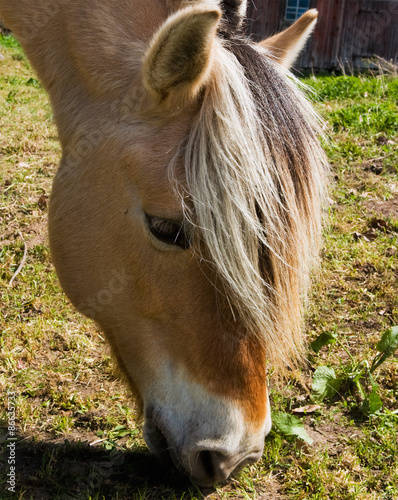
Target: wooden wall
[347,32]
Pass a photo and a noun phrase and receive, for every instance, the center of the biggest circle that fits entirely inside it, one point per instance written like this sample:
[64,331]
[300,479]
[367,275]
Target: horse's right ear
[179,58]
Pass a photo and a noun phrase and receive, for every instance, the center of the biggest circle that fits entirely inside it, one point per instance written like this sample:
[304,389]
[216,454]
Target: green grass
[78,432]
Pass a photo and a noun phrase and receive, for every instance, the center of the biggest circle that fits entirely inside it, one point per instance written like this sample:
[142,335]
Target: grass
[78,435]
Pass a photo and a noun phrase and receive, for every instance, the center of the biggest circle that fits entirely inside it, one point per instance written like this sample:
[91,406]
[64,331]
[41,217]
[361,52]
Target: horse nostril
[205,459]
[211,466]
[208,467]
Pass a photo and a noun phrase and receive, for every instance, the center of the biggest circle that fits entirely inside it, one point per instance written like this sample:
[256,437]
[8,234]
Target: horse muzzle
[207,454]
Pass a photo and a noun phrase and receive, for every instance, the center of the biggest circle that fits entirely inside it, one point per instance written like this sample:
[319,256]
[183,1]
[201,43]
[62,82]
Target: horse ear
[179,57]
[287,45]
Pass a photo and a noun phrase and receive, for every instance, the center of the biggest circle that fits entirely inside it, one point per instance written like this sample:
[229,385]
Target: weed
[358,375]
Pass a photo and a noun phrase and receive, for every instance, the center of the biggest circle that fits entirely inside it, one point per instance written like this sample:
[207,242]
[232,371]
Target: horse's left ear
[179,57]
[287,45]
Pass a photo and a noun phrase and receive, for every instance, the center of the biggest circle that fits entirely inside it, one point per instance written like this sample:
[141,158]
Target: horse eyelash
[168,231]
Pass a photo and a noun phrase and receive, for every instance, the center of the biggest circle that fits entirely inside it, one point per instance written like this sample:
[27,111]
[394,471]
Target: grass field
[78,436]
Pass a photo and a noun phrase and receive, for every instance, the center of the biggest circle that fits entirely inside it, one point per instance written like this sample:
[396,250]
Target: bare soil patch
[384,208]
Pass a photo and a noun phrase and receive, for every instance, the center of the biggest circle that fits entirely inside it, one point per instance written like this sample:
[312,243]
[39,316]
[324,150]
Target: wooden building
[348,32]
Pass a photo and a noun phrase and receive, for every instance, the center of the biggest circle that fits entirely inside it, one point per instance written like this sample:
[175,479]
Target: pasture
[78,434]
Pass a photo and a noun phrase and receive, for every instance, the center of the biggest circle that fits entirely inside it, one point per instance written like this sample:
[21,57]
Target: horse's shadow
[73,470]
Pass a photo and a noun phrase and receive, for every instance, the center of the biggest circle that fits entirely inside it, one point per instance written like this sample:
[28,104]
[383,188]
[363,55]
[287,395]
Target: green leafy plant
[289,426]
[326,383]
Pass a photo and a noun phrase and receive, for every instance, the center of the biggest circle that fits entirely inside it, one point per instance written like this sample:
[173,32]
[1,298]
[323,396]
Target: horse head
[185,213]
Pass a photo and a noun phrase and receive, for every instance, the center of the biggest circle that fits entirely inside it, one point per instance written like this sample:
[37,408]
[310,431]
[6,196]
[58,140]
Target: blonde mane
[255,175]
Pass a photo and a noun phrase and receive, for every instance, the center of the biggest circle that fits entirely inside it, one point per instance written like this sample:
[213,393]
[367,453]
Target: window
[295,9]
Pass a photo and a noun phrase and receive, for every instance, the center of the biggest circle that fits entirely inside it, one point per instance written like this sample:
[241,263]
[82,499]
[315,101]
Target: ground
[78,433]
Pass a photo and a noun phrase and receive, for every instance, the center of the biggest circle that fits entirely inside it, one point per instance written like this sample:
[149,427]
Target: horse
[186,212]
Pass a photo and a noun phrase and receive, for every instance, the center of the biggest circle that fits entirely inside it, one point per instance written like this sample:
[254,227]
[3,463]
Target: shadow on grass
[74,470]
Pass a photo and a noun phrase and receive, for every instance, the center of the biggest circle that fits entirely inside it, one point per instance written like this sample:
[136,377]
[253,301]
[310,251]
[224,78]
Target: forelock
[255,176]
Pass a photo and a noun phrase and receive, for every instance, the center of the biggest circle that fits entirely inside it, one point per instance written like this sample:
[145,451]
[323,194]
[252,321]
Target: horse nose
[206,462]
[209,467]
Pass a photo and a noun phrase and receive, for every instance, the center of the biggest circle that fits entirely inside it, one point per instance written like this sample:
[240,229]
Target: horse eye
[168,231]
